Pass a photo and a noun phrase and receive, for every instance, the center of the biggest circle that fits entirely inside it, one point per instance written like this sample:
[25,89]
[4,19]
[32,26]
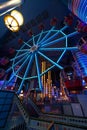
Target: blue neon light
[79,8]
[50,60]
[38,72]
[47,35]
[39,37]
[60,39]
[34,48]
[25,74]
[82,60]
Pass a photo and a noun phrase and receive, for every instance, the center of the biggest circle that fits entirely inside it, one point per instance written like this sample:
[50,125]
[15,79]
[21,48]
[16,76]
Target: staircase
[22,110]
[34,106]
[44,122]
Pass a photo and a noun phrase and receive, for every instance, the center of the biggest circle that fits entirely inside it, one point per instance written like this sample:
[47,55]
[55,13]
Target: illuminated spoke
[25,74]
[19,56]
[53,36]
[19,61]
[22,50]
[49,39]
[27,44]
[38,72]
[61,56]
[33,77]
[14,65]
[58,49]
[60,39]
[33,40]
[39,37]
[46,36]
[30,40]
[62,29]
[54,63]
[21,67]
[22,46]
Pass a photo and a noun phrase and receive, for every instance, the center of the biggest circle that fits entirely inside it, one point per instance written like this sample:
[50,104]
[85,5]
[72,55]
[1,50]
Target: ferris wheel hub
[33,48]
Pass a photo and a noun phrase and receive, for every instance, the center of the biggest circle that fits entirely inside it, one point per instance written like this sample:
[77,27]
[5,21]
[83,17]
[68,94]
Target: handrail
[68,124]
[63,115]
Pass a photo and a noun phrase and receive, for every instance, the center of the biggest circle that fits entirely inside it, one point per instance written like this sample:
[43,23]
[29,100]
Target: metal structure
[49,46]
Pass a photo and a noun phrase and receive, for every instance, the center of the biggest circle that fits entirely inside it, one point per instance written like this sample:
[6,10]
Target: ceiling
[33,9]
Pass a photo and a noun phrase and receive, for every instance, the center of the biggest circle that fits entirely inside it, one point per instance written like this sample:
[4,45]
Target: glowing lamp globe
[14,21]
[18,16]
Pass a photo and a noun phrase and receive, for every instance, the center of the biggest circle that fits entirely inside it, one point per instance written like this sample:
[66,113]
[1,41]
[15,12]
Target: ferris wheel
[50,45]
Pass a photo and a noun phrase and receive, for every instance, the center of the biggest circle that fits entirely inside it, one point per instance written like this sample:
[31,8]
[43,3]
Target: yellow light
[11,23]
[18,16]
[85,86]
[14,21]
